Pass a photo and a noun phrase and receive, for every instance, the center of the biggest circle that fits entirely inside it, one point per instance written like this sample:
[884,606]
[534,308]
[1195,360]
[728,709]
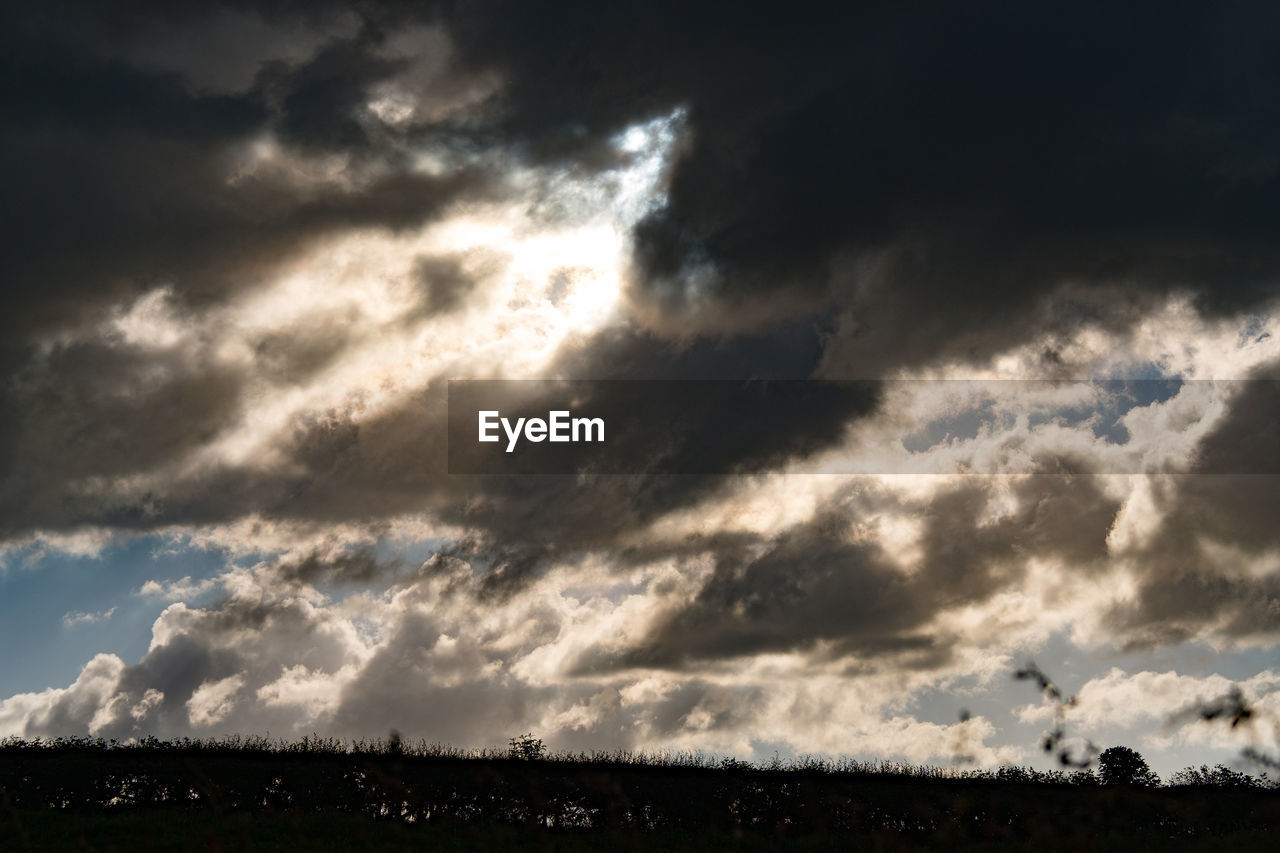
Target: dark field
[325,795]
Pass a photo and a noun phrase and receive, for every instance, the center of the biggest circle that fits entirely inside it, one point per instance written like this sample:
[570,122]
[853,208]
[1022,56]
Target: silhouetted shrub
[527,747]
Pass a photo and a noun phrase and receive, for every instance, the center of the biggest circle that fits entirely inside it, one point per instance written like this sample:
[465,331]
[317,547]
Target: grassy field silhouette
[327,794]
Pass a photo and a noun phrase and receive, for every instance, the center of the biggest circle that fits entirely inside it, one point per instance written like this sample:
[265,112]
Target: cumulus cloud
[424,660]
[83,707]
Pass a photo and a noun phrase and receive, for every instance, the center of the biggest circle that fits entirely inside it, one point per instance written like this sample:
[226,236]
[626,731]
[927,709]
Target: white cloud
[72,620]
[180,590]
[64,709]
[1164,704]
[212,701]
[149,701]
[313,693]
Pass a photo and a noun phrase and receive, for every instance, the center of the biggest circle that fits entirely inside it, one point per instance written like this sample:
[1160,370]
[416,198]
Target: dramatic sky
[247,244]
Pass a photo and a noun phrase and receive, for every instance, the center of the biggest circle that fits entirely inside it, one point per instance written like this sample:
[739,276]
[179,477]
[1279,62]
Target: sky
[249,244]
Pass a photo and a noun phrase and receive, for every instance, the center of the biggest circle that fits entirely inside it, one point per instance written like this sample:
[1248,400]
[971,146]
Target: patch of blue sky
[39,589]
[1116,397]
[1112,400]
[1137,371]
[961,426]
[1255,331]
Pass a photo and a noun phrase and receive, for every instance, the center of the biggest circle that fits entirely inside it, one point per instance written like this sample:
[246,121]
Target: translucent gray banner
[543,427]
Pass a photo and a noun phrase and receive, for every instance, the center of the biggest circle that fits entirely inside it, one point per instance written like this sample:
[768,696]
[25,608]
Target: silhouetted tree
[1121,765]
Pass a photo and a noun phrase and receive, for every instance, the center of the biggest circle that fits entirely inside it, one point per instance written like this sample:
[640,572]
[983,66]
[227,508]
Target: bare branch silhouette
[1055,740]
[1239,713]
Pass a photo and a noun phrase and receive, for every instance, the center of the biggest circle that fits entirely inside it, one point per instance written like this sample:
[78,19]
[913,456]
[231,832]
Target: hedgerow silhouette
[424,783]
[528,787]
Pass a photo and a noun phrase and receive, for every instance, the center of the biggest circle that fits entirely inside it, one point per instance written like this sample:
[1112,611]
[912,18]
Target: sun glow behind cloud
[361,304]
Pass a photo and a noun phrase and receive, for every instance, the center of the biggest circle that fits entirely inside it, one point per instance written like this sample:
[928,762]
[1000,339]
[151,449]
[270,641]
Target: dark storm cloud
[1184,586]
[176,669]
[788,350]
[102,217]
[1245,438]
[297,354]
[120,177]
[118,174]
[965,161]
[1182,597]
[320,102]
[814,584]
[360,565]
[937,168]
[445,285]
[92,411]
[520,525]
[97,419]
